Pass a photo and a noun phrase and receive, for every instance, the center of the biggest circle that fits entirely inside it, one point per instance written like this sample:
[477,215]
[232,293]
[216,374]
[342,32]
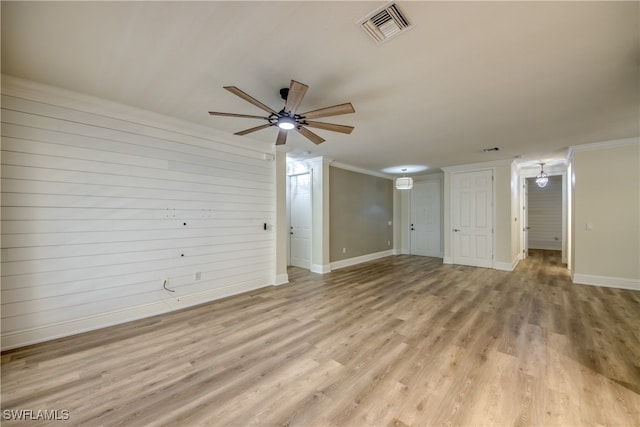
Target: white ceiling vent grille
[385,23]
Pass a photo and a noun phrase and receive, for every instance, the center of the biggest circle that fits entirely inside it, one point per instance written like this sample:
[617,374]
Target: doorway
[425,219]
[544,215]
[472,218]
[300,220]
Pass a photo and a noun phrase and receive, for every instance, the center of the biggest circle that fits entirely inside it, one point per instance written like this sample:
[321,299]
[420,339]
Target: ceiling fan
[288,119]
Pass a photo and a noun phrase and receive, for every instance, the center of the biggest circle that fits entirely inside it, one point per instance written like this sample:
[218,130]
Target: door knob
[455,230]
[291,232]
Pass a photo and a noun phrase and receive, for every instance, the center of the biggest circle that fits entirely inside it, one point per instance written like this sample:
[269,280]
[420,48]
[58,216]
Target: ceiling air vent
[385,23]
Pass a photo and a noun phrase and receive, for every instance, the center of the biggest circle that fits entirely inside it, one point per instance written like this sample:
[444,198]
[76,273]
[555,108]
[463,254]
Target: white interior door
[300,227]
[472,218]
[425,219]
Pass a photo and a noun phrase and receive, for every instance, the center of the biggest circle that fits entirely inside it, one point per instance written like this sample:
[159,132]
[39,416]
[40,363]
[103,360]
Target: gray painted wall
[361,207]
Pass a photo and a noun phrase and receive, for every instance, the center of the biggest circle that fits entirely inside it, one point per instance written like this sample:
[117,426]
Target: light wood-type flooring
[397,341]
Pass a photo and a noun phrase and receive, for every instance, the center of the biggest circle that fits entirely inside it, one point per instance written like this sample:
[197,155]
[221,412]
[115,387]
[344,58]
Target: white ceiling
[532,78]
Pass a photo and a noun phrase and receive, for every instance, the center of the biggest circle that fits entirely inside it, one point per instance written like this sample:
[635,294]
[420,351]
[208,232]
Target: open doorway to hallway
[544,216]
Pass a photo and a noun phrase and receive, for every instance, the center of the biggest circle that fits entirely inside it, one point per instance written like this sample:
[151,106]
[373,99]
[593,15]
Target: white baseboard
[320,269]
[606,281]
[505,266]
[360,259]
[77,326]
[281,279]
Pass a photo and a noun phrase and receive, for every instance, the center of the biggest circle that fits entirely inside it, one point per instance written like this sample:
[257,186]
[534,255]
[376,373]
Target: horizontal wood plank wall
[545,214]
[97,210]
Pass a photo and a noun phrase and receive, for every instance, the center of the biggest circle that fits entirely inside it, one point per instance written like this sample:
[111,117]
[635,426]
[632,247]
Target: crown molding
[360,170]
[605,145]
[477,166]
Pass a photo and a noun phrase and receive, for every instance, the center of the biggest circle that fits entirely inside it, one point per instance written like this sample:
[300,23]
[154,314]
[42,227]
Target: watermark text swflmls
[36,415]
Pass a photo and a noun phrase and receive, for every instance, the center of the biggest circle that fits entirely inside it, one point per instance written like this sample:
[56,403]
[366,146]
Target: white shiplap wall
[97,208]
[545,214]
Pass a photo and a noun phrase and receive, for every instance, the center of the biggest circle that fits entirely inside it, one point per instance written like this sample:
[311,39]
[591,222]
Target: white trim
[360,170]
[603,145]
[447,260]
[502,266]
[281,279]
[360,259]
[401,251]
[77,326]
[505,266]
[606,281]
[532,171]
[320,269]
[477,166]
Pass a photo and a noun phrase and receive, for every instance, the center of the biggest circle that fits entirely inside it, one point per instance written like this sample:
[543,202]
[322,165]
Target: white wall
[101,201]
[606,214]
[320,256]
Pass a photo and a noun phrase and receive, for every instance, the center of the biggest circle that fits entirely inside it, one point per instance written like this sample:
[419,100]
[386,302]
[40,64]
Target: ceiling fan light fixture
[288,119]
[286,123]
[542,179]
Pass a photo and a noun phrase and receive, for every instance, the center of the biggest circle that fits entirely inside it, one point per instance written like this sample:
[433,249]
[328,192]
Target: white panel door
[472,218]
[300,230]
[425,219]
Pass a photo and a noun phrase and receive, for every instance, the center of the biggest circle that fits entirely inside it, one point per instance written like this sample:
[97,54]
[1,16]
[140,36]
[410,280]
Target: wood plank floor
[398,341]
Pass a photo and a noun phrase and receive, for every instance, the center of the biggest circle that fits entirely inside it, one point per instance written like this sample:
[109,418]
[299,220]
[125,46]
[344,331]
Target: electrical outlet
[344,250]
[198,275]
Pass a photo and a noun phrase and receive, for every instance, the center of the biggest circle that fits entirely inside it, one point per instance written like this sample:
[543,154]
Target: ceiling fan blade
[330,126]
[246,131]
[310,135]
[336,110]
[246,116]
[282,137]
[234,90]
[297,91]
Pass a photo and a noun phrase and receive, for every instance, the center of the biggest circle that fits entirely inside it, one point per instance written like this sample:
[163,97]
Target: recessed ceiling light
[405,169]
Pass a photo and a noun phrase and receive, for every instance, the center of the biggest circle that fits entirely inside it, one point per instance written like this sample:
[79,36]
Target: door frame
[438,180]
[289,195]
[554,170]
[451,232]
